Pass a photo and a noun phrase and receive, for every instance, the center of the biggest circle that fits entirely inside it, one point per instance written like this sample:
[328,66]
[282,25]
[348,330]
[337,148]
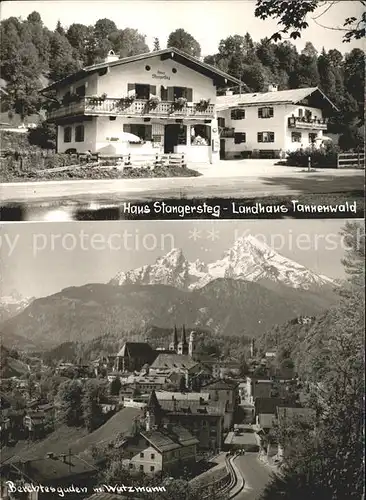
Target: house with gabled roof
[157,446]
[166,98]
[133,356]
[269,124]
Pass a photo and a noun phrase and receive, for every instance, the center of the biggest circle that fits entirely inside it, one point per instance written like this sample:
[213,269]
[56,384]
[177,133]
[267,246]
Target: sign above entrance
[161,75]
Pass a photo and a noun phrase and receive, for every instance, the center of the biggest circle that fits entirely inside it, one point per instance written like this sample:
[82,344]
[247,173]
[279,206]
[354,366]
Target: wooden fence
[351,160]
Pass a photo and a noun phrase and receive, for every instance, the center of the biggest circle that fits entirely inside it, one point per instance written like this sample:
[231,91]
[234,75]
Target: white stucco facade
[165,128]
[256,125]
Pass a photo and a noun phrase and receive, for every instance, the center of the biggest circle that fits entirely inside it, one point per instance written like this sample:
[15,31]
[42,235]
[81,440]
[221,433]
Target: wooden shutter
[127,127]
[148,132]
[170,93]
[153,89]
[260,112]
[260,137]
[271,112]
[130,86]
[189,95]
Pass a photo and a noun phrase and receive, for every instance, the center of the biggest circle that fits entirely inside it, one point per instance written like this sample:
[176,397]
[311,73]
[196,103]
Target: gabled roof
[138,349]
[51,469]
[173,361]
[159,441]
[170,438]
[268,405]
[169,53]
[292,96]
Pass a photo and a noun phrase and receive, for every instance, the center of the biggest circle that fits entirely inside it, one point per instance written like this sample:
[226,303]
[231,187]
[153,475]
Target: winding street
[256,475]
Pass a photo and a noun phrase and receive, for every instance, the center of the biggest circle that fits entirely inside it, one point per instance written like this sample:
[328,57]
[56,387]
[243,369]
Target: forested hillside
[31,55]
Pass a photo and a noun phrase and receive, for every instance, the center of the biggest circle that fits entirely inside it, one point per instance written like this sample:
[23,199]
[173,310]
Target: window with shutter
[127,128]
[153,89]
[266,112]
[67,134]
[221,122]
[130,87]
[239,137]
[189,95]
[170,93]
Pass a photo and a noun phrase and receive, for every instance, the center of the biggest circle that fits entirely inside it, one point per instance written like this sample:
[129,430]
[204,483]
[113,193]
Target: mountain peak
[248,259]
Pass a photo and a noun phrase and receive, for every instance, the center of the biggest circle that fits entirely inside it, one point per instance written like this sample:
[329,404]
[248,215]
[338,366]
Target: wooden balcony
[307,123]
[90,106]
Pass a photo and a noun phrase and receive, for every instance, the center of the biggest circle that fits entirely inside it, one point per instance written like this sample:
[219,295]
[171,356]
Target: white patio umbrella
[127,137]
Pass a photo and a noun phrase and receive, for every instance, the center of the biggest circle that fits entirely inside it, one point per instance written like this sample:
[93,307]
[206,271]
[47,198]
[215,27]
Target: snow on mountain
[248,259]
[12,304]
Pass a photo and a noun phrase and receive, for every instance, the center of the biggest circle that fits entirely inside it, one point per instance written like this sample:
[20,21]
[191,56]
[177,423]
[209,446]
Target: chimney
[111,57]
[228,92]
[272,87]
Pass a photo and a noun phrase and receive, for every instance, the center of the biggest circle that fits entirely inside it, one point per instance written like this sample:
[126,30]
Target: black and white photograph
[183,101]
[195,359]
[182,250]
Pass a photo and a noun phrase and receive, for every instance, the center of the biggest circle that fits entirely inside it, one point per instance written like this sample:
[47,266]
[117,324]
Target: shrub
[43,136]
[322,157]
[350,139]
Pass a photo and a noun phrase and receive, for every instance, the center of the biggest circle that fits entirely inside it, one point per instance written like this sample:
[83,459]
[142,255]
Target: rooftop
[291,96]
[193,407]
[131,349]
[169,438]
[169,53]
[173,361]
[53,469]
[268,405]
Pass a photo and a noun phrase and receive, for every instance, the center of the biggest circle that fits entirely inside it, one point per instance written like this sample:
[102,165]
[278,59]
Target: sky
[38,259]
[208,21]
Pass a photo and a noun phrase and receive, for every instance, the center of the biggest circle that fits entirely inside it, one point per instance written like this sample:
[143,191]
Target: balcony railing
[92,106]
[307,123]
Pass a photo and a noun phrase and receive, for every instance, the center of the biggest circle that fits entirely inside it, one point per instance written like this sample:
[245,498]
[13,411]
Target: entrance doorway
[174,134]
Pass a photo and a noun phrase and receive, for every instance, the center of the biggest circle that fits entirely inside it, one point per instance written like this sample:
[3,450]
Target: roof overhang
[219,77]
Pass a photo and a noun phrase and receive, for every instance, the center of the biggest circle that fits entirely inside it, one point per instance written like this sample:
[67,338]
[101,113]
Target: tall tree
[292,18]
[128,42]
[328,464]
[307,71]
[92,412]
[69,403]
[62,61]
[185,42]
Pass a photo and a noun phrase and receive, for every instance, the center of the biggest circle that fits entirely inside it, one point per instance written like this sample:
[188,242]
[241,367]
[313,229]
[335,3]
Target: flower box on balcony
[203,104]
[179,104]
[97,100]
[153,102]
[125,102]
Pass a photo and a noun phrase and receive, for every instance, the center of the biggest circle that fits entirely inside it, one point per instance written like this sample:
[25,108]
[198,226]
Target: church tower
[174,344]
[192,344]
[183,344]
[153,412]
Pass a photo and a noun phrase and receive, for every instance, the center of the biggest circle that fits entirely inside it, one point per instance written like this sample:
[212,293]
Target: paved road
[256,476]
[264,184]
